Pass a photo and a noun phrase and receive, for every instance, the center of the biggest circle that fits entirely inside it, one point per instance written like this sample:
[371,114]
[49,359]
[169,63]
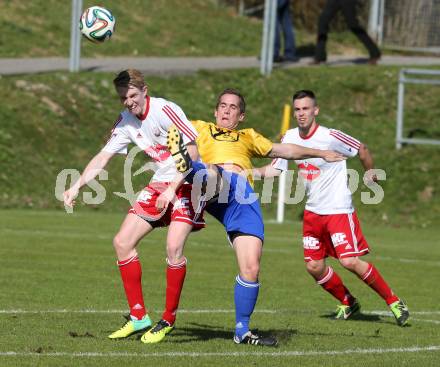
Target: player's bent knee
[349,263]
[174,253]
[122,244]
[250,272]
[315,268]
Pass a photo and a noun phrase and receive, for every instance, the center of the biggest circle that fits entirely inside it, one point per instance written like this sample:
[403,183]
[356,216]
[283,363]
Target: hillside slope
[41,28]
[56,121]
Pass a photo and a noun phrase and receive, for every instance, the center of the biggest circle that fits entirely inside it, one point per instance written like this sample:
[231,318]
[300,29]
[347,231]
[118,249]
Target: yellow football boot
[157,333]
[178,150]
[132,327]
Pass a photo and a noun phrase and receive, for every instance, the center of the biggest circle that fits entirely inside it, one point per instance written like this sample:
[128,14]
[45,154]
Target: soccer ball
[97,24]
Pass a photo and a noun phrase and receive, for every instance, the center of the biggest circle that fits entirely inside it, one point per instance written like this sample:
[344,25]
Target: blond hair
[129,77]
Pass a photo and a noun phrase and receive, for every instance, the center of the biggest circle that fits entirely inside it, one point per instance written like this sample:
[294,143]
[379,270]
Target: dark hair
[235,92]
[303,93]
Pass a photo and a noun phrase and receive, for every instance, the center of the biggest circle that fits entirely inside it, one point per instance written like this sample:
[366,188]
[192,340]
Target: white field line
[218,311]
[409,261]
[287,353]
[426,320]
[195,311]
[20,311]
[267,247]
[388,313]
[55,234]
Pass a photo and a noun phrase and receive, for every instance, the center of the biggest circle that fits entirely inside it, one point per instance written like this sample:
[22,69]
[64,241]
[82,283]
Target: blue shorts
[235,208]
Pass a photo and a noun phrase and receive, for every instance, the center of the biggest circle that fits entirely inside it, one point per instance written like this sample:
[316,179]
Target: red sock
[333,284]
[131,274]
[175,278]
[375,281]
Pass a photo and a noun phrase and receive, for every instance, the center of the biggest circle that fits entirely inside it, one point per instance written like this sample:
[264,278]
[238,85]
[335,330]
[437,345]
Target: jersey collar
[310,134]
[147,109]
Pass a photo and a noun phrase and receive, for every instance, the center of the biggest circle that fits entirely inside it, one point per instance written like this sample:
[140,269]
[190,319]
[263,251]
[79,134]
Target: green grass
[59,120]
[143,28]
[55,261]
[41,28]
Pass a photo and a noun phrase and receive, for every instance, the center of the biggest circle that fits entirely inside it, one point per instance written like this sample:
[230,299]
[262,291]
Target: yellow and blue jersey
[219,145]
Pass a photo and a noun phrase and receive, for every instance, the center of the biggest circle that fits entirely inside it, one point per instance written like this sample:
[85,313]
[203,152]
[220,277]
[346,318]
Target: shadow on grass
[356,317]
[362,317]
[204,332]
[355,60]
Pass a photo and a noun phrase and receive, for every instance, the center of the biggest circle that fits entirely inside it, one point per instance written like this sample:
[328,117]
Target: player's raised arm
[365,157]
[293,151]
[367,162]
[93,168]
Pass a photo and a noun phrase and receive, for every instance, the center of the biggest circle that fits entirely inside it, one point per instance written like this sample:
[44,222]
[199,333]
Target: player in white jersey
[166,201]
[330,225]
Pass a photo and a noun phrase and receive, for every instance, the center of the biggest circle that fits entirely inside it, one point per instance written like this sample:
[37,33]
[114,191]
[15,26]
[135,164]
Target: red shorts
[181,210]
[336,235]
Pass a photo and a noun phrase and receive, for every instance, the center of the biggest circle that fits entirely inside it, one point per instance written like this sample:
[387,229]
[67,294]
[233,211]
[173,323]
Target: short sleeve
[198,125]
[261,145]
[119,140]
[280,163]
[173,114]
[343,143]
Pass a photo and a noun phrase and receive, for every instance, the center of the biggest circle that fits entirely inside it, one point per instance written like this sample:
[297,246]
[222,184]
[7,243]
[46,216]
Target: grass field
[41,28]
[61,295]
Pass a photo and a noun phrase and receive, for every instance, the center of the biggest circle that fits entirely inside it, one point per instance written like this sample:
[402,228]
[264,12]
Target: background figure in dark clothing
[348,8]
[284,24]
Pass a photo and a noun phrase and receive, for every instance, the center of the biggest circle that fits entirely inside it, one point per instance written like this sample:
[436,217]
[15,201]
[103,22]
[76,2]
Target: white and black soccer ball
[97,24]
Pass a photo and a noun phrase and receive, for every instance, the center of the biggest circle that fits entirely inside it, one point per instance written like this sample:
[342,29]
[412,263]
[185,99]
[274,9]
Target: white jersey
[149,133]
[326,183]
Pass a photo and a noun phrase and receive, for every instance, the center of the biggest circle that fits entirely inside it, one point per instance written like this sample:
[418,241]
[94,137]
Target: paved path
[185,65]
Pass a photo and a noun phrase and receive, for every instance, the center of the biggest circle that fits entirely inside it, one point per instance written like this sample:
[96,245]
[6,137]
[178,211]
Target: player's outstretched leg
[245,297]
[375,281]
[175,279]
[178,150]
[206,176]
[330,281]
[138,320]
[400,312]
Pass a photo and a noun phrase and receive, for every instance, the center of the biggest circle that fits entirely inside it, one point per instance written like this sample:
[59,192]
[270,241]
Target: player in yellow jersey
[223,144]
[235,148]
[229,149]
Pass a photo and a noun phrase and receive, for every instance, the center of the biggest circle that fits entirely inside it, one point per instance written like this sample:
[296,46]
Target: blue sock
[245,296]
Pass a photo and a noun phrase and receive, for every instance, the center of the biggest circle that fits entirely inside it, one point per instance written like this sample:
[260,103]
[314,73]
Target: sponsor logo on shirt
[221,134]
[158,152]
[308,171]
